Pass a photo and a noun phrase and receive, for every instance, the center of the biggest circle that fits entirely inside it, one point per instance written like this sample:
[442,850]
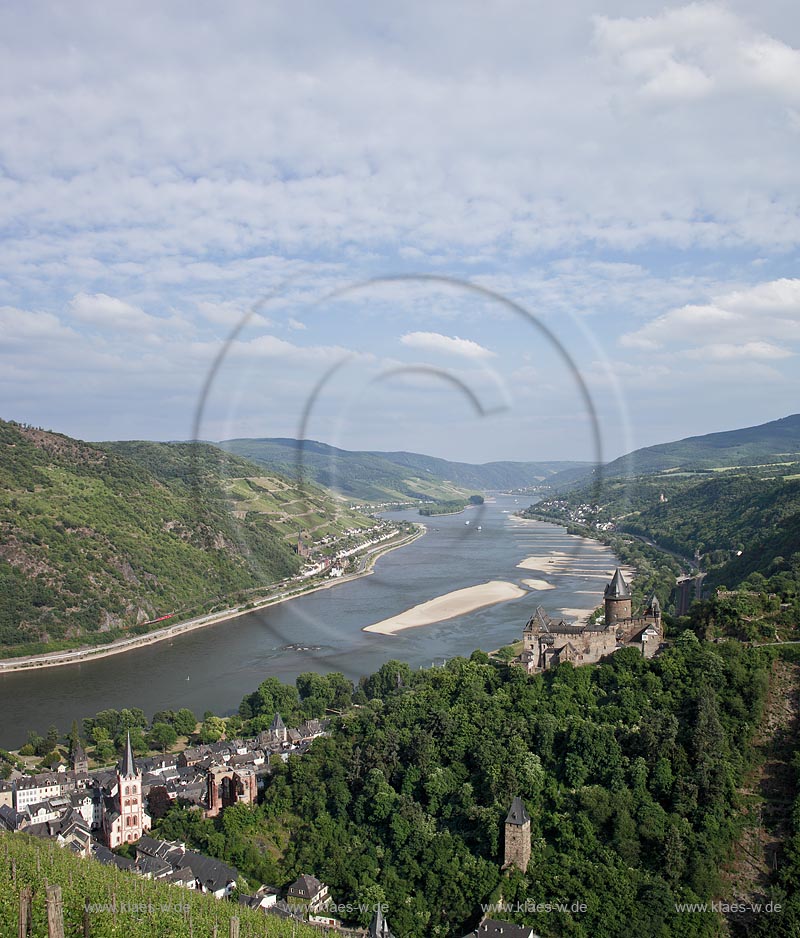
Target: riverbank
[57,659]
[449,606]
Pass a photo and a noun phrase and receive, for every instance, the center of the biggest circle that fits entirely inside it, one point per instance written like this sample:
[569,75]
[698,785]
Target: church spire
[128,767]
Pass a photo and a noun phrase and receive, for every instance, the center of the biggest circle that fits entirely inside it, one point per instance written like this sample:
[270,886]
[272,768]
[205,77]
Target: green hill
[775,442]
[97,539]
[376,476]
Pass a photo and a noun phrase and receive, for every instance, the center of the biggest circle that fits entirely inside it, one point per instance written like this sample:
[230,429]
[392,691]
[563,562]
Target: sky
[505,230]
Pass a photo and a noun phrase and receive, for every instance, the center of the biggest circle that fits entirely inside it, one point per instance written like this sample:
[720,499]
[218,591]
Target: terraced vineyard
[290,509]
[144,908]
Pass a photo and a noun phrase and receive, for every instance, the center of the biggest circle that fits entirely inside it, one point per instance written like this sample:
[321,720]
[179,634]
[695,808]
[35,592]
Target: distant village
[321,557]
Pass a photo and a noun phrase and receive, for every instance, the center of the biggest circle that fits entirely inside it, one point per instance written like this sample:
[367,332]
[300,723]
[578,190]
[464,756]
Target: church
[124,816]
[547,642]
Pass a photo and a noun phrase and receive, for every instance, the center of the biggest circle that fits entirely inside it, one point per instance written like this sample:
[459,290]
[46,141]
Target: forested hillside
[629,770]
[775,442]
[375,476]
[737,522]
[93,542]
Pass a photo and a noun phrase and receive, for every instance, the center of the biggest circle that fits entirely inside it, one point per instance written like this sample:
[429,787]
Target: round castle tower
[617,596]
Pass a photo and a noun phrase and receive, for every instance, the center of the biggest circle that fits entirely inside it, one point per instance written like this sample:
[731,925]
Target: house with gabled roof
[308,889]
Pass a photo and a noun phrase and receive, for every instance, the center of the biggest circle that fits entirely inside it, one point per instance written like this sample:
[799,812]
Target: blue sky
[626,172]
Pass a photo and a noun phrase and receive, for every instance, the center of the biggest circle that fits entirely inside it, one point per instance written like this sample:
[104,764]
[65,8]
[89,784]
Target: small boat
[466,522]
[187,677]
[480,528]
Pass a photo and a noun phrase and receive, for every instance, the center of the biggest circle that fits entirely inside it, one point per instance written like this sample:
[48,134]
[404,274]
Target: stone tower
[278,729]
[80,761]
[518,836]
[653,609]
[131,809]
[617,599]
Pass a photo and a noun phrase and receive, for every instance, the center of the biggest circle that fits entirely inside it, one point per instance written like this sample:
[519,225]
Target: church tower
[518,836]
[129,786]
[617,599]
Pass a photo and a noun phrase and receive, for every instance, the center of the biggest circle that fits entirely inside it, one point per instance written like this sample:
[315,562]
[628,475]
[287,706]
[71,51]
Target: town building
[7,794]
[547,642]
[33,789]
[310,891]
[172,862]
[518,836]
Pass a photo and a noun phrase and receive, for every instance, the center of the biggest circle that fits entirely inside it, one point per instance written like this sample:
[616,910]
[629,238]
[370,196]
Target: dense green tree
[162,736]
[185,722]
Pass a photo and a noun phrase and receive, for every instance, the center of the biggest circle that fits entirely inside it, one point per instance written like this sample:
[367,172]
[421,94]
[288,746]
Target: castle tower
[518,836]
[617,596]
[653,609]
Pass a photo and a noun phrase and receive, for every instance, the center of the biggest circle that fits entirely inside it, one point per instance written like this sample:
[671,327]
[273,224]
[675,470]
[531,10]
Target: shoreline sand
[538,585]
[449,606]
[57,659]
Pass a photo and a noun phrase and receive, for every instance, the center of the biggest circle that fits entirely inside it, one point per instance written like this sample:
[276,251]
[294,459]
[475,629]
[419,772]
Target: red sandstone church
[124,816]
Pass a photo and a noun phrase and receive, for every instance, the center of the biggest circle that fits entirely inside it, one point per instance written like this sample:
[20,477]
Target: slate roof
[278,726]
[252,902]
[163,858]
[493,928]
[213,874]
[104,855]
[152,866]
[181,877]
[617,588]
[128,767]
[379,927]
[9,819]
[281,910]
[517,813]
[306,887]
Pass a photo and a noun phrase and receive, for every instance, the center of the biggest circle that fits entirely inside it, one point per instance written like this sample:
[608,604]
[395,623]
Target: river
[213,668]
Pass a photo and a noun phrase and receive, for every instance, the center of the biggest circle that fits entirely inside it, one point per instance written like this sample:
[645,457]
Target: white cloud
[108,312]
[751,351]
[449,345]
[697,50]
[626,169]
[737,323]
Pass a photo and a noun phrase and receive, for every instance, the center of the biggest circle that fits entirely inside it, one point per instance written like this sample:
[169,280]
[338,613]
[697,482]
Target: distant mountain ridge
[371,475]
[777,441]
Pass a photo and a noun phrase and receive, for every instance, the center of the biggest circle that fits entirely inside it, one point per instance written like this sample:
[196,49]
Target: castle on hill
[546,642]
